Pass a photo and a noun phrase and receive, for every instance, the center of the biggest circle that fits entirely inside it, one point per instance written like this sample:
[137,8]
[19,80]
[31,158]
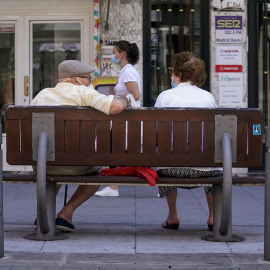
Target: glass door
[173,26]
[51,43]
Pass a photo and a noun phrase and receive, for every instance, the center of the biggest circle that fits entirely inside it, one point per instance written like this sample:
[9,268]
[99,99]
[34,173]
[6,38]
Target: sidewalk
[125,232]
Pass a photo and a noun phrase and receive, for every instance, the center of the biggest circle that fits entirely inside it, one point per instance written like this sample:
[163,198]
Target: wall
[125,21]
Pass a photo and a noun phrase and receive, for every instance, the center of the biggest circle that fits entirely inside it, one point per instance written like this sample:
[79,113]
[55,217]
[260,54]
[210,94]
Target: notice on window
[7,29]
[230,89]
[229,29]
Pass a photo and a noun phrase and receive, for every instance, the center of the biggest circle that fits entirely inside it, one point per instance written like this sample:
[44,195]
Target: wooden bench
[162,137]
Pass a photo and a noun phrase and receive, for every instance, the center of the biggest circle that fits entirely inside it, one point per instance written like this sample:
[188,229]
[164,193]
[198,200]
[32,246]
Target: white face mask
[80,81]
[65,80]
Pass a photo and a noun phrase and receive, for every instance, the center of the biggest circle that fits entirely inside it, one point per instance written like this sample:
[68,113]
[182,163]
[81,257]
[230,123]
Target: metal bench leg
[223,200]
[267,196]
[1,200]
[46,198]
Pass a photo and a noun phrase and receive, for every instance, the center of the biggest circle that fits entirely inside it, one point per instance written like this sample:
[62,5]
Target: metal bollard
[267,196]
[46,193]
[223,200]
[41,184]
[226,217]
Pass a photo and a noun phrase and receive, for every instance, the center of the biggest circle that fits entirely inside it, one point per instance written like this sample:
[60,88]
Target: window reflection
[7,67]
[175,27]
[52,44]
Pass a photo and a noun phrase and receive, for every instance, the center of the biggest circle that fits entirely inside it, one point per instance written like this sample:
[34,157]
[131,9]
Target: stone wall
[125,22]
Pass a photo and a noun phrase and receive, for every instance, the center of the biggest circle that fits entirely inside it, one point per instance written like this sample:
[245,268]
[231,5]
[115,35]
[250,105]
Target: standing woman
[126,55]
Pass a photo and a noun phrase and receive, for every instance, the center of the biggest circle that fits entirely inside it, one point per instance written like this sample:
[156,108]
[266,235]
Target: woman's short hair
[189,68]
[131,50]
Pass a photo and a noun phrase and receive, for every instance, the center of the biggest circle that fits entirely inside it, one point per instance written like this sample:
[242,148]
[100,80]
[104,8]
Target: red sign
[228,68]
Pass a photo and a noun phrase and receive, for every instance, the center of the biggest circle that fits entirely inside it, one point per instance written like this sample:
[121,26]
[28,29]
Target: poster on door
[225,5]
[230,89]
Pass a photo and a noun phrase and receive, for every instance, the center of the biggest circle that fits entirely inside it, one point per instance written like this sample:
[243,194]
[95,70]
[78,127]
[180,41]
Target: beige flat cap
[73,68]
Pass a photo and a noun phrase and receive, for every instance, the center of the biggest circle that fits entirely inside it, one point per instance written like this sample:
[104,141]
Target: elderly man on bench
[75,89]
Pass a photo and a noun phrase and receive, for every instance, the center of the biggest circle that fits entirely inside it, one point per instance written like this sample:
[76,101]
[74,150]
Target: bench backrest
[155,137]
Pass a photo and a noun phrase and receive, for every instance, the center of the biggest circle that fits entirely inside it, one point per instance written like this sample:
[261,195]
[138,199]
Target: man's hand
[118,105]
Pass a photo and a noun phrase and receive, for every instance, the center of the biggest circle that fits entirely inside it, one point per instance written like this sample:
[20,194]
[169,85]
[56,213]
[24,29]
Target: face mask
[64,80]
[173,84]
[80,81]
[114,60]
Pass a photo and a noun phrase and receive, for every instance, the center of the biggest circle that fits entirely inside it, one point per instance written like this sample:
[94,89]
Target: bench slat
[134,137]
[118,137]
[149,141]
[194,137]
[103,137]
[254,142]
[174,114]
[180,138]
[131,180]
[164,138]
[60,143]
[144,160]
[87,137]
[13,143]
[242,137]
[208,138]
[72,138]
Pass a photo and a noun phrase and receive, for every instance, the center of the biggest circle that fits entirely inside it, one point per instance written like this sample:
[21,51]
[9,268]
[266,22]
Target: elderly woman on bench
[187,75]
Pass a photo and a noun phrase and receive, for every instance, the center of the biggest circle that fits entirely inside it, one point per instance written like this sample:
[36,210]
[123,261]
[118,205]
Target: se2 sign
[229,29]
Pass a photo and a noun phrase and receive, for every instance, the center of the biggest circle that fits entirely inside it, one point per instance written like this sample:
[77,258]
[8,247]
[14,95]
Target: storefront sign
[110,42]
[229,29]
[230,89]
[229,55]
[229,68]
[228,59]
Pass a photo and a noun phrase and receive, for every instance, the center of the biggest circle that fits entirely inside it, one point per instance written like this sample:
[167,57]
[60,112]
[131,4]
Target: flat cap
[73,68]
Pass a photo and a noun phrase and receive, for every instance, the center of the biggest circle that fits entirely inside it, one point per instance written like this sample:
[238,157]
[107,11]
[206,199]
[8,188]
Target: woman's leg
[171,201]
[209,198]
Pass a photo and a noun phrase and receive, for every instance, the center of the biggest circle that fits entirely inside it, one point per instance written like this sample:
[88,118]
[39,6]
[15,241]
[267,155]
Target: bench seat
[252,179]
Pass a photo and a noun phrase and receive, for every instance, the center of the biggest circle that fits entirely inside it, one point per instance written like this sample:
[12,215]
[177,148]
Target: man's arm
[118,105]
